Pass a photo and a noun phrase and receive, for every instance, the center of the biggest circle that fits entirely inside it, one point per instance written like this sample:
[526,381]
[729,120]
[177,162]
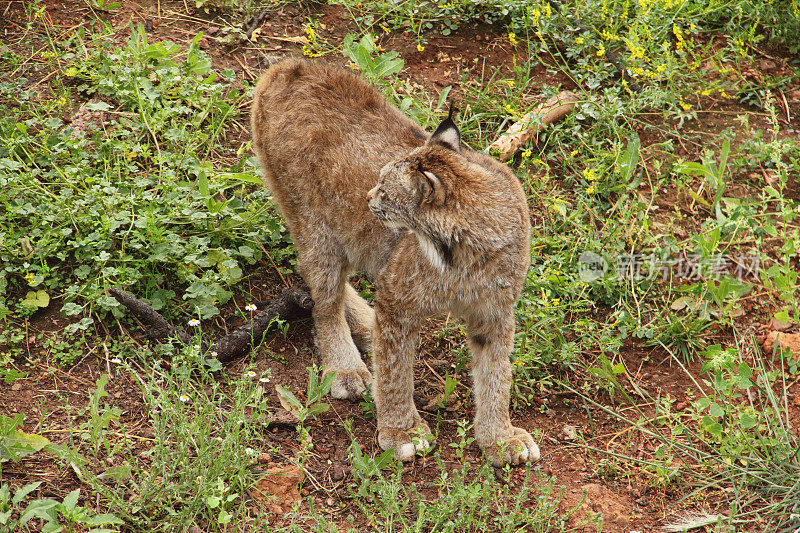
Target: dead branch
[157,327]
[532,123]
[291,303]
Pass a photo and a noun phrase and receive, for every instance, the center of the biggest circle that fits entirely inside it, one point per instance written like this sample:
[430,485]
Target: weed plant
[133,199]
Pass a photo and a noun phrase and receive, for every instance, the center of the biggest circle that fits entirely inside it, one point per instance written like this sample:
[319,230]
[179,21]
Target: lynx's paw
[349,384]
[517,448]
[406,442]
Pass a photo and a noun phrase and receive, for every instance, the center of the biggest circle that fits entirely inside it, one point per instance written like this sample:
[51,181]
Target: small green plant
[100,418]
[104,5]
[205,440]
[366,469]
[317,389]
[221,498]
[375,66]
[11,505]
[463,440]
[55,515]
[367,404]
[713,173]
[16,444]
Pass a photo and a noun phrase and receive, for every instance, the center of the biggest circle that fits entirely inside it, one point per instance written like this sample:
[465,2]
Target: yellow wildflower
[29,277]
[535,17]
[591,189]
[71,72]
[684,105]
[589,174]
[601,51]
[580,40]
[526,154]
[512,38]
[420,48]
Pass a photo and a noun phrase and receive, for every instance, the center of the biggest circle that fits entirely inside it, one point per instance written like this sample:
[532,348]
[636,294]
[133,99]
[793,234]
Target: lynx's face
[402,190]
[409,186]
[412,193]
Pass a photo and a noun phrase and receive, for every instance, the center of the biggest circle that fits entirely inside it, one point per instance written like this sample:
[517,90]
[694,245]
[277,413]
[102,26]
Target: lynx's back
[322,135]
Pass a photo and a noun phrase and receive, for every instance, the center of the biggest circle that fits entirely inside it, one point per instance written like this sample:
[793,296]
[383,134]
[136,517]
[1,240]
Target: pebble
[338,473]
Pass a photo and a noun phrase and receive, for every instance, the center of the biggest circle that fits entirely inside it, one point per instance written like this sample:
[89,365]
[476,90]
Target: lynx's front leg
[399,424]
[324,271]
[491,342]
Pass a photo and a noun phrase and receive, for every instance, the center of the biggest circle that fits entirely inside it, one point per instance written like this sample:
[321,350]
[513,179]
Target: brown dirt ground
[629,498]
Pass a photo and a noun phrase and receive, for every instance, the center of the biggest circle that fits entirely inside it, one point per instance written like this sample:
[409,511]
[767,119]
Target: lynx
[439,227]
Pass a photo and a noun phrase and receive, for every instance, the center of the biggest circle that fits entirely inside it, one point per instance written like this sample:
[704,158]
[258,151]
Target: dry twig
[291,303]
[532,123]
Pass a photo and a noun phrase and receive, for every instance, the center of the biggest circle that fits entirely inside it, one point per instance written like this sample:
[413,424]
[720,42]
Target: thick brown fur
[441,228]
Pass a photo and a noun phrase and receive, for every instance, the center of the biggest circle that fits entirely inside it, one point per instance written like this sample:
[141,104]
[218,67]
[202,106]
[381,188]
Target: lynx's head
[436,192]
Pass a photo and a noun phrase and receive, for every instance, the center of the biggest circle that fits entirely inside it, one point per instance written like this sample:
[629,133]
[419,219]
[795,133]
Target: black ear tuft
[447,134]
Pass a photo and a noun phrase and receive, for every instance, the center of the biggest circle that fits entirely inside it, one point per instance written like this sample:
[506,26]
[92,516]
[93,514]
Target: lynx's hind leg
[325,273]
[491,341]
[360,317]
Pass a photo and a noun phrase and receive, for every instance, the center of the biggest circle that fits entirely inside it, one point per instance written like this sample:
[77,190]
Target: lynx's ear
[447,133]
[434,192]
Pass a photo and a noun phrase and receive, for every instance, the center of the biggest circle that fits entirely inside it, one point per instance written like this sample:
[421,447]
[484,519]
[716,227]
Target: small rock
[778,325]
[766,65]
[330,502]
[338,473]
[594,493]
[279,489]
[264,458]
[569,432]
[16,387]
[784,340]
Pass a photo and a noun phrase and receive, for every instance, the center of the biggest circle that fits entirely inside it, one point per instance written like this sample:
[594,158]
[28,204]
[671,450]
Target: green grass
[158,193]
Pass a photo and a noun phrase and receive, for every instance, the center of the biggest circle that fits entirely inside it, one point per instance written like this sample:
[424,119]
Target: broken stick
[520,132]
[288,305]
[291,303]
[157,327]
